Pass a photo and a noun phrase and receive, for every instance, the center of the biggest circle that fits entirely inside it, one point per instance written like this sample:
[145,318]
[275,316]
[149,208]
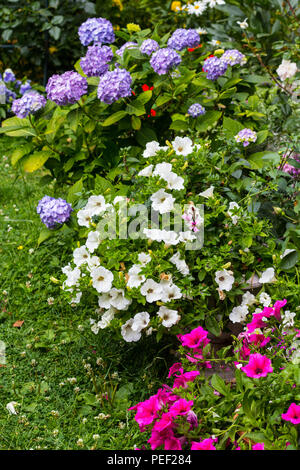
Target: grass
[57,371]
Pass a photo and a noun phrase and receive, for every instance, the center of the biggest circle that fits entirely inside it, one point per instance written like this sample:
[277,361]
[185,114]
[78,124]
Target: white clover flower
[118,299]
[248,299]
[180,264]
[147,171]
[140,321]
[169,317]
[102,279]
[286,69]
[182,146]
[208,192]
[93,241]
[81,255]
[265,299]
[234,218]
[267,276]
[151,290]
[170,292]
[243,24]
[162,202]
[224,279]
[11,407]
[135,279]
[96,205]
[239,314]
[128,333]
[84,217]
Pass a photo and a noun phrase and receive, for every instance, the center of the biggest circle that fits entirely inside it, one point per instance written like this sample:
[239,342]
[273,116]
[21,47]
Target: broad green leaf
[289,261]
[45,233]
[36,160]
[135,122]
[19,152]
[179,126]
[143,98]
[218,384]
[162,99]
[208,120]
[231,127]
[114,118]
[17,127]
[74,190]
[212,325]
[261,136]
[264,159]
[103,186]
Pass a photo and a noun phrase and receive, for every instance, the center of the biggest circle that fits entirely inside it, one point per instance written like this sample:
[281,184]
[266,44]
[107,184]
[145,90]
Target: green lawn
[58,395]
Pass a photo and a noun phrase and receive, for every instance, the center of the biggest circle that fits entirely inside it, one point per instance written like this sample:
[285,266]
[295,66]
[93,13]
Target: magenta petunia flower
[206,444]
[292,414]
[277,306]
[177,367]
[259,446]
[183,379]
[181,407]
[258,366]
[195,338]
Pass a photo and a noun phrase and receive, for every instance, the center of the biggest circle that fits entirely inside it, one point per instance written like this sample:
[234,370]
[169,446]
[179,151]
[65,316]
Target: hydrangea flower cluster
[164,60]
[196,110]
[114,85]
[95,62]
[53,212]
[290,169]
[96,30]
[8,76]
[127,45]
[66,88]
[214,68]
[24,87]
[148,46]
[182,38]
[233,57]
[30,102]
[245,136]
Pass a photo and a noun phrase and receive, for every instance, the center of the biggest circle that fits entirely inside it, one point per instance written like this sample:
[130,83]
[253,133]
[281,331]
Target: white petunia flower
[169,317]
[76,299]
[239,314]
[119,199]
[151,290]
[180,264]
[224,279]
[135,279]
[182,146]
[265,299]
[102,279]
[267,276]
[106,318]
[162,202]
[93,262]
[175,182]
[118,300]
[288,318]
[152,148]
[81,255]
[163,170]
[73,277]
[208,192]
[140,321]
[144,258]
[286,69]
[128,333]
[234,218]
[248,299]
[104,300]
[147,171]
[84,217]
[170,237]
[170,292]
[93,241]
[96,205]
[243,24]
[11,407]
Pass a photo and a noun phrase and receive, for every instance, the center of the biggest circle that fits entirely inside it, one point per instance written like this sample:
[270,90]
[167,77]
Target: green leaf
[179,126]
[231,127]
[55,32]
[203,83]
[143,98]
[144,135]
[212,325]
[74,190]
[227,93]
[289,261]
[45,233]
[264,159]
[17,127]
[261,136]
[103,186]
[19,152]
[218,384]
[162,99]
[231,82]
[136,122]
[36,160]
[114,118]
[208,120]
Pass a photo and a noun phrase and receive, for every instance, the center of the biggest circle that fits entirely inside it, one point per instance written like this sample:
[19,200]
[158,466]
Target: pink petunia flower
[259,446]
[292,414]
[195,338]
[177,367]
[277,306]
[258,366]
[259,340]
[206,444]
[183,379]
[257,319]
[181,407]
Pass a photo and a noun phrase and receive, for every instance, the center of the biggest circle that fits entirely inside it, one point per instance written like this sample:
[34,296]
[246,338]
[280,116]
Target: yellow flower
[52,49]
[175,6]
[132,27]
[118,4]
[219,52]
[20,247]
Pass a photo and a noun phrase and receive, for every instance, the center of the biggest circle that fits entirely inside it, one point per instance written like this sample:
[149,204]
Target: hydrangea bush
[11,90]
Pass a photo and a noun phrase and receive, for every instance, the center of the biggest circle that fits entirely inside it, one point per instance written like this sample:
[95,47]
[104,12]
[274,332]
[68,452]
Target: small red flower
[132,92]
[211,55]
[146,87]
[153,112]
[192,49]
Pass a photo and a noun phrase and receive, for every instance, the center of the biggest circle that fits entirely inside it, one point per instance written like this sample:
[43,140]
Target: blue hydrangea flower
[114,85]
[10,95]
[196,110]
[233,57]
[127,45]
[164,60]
[148,46]
[2,93]
[8,76]
[214,68]
[182,38]
[245,136]
[25,87]
[30,102]
[66,88]
[95,61]
[53,212]
[96,30]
